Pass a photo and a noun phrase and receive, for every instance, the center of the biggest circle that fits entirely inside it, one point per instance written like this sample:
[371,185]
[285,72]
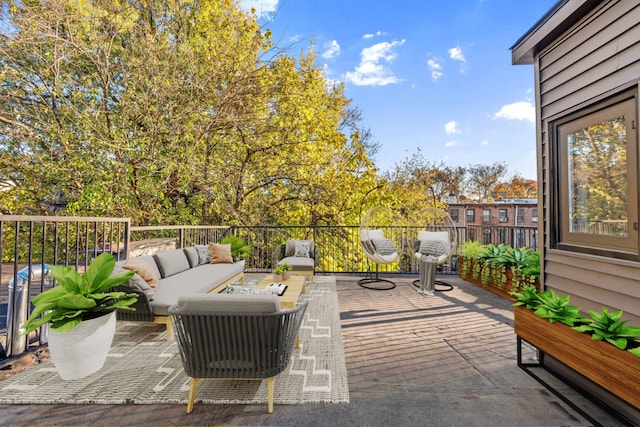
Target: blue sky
[429,75]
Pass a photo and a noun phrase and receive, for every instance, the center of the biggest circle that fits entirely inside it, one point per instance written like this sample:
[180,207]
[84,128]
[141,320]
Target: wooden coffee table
[295,287]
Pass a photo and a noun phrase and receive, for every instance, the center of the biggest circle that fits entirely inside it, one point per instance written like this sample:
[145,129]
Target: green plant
[468,253]
[80,297]
[239,248]
[282,268]
[528,297]
[493,265]
[557,308]
[608,326]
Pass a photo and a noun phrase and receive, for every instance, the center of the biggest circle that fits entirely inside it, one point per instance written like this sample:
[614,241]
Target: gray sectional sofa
[181,272]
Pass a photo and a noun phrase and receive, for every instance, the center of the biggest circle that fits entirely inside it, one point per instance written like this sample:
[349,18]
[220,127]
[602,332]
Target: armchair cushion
[290,248]
[384,246]
[226,303]
[299,263]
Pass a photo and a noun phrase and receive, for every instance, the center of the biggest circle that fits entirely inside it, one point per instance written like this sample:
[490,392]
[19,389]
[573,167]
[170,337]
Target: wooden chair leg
[270,386]
[192,395]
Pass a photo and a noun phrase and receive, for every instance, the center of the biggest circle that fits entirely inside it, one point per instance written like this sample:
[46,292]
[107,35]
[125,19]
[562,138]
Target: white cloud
[450,144]
[436,68]
[371,71]
[456,54]
[522,110]
[451,128]
[484,142]
[332,50]
[262,7]
[372,35]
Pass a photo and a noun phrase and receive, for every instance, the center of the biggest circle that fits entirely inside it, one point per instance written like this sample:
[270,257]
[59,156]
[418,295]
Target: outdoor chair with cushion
[234,336]
[434,247]
[300,255]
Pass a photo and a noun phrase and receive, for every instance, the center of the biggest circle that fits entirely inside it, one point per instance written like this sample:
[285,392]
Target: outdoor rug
[144,368]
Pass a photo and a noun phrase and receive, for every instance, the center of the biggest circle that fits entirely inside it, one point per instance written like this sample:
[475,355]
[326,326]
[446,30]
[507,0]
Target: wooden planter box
[617,371]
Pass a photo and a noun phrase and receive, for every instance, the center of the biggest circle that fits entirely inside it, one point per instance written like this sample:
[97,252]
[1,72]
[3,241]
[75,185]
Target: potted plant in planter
[81,315]
[601,348]
[282,271]
[240,250]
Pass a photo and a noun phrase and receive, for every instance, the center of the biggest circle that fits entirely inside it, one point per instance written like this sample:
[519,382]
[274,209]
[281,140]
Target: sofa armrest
[143,311]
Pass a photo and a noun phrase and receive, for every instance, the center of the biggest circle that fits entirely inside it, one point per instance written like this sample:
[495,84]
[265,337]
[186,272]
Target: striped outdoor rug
[144,368]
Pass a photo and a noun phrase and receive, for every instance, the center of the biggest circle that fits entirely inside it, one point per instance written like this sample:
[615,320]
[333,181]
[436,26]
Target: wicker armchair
[231,336]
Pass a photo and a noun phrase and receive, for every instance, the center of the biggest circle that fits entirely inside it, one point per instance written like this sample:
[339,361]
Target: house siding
[596,58]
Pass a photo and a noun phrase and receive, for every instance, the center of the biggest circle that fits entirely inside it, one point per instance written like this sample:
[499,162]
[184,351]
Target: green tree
[169,112]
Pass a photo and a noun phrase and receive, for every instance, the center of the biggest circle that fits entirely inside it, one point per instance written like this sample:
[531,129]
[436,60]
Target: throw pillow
[384,246]
[220,253]
[302,249]
[144,270]
[434,247]
[203,254]
[136,282]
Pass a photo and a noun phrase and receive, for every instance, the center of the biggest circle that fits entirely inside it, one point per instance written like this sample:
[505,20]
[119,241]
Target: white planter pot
[83,350]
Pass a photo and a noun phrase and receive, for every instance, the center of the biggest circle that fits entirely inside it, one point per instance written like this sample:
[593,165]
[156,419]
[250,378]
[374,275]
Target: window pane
[597,178]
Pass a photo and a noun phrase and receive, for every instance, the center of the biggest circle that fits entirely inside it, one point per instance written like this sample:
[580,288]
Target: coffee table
[295,287]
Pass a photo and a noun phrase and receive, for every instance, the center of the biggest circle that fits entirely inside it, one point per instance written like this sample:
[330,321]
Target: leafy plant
[527,297]
[557,308]
[239,248]
[79,297]
[608,326]
[282,268]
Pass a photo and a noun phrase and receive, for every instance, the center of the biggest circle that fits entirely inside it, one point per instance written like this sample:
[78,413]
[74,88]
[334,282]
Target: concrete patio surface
[447,360]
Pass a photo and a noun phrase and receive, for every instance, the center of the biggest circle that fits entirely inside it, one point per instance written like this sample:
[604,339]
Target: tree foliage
[171,112]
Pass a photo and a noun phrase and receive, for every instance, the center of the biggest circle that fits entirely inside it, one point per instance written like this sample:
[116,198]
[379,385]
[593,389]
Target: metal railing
[30,244]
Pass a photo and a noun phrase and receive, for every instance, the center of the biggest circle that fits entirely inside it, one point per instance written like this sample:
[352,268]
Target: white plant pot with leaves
[80,313]
[83,350]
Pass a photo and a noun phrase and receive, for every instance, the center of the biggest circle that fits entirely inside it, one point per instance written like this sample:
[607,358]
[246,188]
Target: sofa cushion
[204,257]
[136,282]
[220,253]
[146,268]
[290,247]
[227,303]
[201,279]
[192,256]
[171,262]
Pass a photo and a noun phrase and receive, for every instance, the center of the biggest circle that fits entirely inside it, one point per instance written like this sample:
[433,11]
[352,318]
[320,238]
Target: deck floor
[447,360]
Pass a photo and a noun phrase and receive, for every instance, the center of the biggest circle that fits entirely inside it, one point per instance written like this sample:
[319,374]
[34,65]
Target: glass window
[502,215]
[520,215]
[486,215]
[454,214]
[534,214]
[597,192]
[471,215]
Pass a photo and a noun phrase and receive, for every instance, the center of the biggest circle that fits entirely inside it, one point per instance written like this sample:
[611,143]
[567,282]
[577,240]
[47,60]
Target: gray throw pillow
[204,257]
[384,246]
[303,249]
[434,247]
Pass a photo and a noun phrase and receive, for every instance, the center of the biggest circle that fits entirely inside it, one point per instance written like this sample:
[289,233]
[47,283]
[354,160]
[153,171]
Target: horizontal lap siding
[597,56]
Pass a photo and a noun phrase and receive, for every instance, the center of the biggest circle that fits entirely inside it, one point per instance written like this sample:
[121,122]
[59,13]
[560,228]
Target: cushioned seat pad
[201,279]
